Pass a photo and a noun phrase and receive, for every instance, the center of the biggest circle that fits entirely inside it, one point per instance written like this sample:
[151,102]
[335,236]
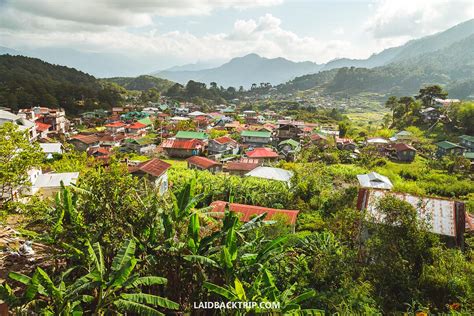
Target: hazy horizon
[121,38]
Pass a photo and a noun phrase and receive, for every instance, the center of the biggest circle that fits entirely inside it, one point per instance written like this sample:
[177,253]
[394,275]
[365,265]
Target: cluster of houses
[247,142]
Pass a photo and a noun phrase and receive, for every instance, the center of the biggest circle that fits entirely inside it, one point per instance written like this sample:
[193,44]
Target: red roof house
[42,127]
[241,167]
[262,153]
[82,142]
[247,212]
[182,147]
[116,127]
[153,167]
[203,163]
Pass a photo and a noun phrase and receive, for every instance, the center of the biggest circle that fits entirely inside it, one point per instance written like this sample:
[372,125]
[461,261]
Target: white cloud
[404,19]
[264,36]
[125,12]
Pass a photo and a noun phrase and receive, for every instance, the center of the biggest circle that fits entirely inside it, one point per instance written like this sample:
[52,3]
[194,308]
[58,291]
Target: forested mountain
[244,71]
[409,50]
[142,83]
[26,82]
[255,69]
[452,66]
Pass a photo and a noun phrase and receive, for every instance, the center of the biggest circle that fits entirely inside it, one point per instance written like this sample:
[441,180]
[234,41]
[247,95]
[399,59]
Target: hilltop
[27,82]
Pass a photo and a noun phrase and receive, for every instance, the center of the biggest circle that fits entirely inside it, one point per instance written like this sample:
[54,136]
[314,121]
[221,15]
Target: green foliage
[142,83]
[17,157]
[51,85]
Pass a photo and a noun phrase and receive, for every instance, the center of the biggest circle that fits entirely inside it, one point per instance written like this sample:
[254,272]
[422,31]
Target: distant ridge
[244,71]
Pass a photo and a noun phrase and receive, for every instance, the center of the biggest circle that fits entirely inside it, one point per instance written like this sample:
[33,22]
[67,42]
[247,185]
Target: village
[151,139]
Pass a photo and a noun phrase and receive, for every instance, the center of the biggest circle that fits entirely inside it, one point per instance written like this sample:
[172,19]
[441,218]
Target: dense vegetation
[26,82]
[142,83]
[121,247]
[451,66]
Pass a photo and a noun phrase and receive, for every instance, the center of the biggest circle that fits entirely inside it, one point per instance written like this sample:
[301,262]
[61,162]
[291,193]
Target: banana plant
[118,288]
[102,290]
[263,289]
[42,295]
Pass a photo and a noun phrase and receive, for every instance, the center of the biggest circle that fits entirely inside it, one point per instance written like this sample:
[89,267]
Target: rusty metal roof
[438,213]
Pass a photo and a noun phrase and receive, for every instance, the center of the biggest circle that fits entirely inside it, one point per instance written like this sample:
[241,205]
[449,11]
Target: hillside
[142,83]
[244,71]
[409,50]
[452,66]
[26,82]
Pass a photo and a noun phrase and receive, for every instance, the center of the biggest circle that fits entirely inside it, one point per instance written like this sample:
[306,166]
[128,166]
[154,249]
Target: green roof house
[447,148]
[147,121]
[191,135]
[467,141]
[256,138]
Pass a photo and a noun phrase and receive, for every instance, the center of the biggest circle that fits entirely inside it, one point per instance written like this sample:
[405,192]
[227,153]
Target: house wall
[80,146]
[256,140]
[469,145]
[406,155]
[162,183]
[182,153]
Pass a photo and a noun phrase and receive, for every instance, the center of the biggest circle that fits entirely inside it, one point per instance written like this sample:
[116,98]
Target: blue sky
[167,33]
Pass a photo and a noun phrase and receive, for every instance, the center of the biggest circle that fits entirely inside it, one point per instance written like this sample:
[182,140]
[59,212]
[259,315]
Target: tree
[17,156]
[103,290]
[397,250]
[393,105]
[429,93]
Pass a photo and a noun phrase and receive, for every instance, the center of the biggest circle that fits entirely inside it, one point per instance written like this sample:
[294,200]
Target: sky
[162,33]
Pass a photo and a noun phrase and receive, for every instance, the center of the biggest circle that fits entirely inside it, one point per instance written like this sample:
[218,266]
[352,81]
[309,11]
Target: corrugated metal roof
[247,212]
[202,162]
[51,148]
[438,213]
[154,167]
[271,174]
[374,180]
[255,134]
[49,180]
[261,153]
[191,135]
[182,143]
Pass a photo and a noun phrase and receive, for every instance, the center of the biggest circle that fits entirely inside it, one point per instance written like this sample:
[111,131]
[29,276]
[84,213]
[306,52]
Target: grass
[177,163]
[366,117]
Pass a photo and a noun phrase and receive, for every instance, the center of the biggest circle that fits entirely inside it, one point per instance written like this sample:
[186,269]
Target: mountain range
[244,71]
[443,58]
[252,68]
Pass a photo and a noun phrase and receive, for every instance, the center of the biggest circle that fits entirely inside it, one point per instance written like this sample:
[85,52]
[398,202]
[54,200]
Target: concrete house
[203,163]
[242,167]
[182,148]
[155,170]
[136,128]
[288,131]
[402,152]
[223,145]
[55,118]
[191,135]
[262,154]
[447,148]
[255,138]
[467,141]
[82,142]
[116,127]
[23,124]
